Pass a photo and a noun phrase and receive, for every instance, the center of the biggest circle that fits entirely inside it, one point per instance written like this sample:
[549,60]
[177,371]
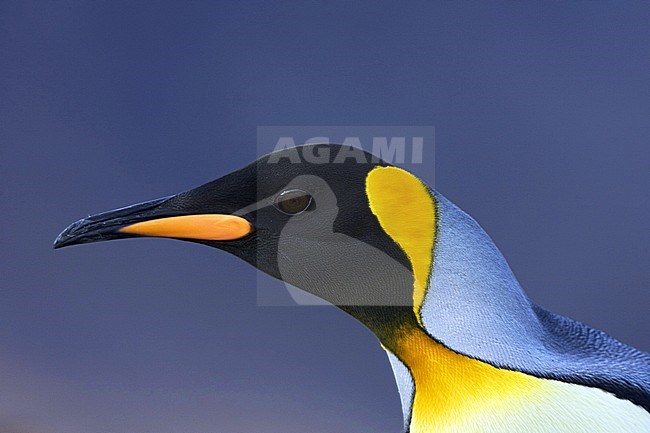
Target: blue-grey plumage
[475,306]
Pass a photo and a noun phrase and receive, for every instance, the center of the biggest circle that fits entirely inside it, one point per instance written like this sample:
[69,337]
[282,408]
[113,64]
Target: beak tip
[62,240]
[71,235]
[58,243]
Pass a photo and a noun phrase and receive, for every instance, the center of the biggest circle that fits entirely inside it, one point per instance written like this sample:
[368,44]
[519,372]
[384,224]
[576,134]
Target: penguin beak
[156,218]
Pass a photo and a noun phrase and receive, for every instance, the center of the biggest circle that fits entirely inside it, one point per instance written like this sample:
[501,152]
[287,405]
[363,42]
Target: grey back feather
[475,306]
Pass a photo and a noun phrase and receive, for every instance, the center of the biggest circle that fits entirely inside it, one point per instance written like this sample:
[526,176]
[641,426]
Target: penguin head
[332,220]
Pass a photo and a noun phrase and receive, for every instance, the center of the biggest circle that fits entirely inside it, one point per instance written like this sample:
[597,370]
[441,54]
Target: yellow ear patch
[406,211]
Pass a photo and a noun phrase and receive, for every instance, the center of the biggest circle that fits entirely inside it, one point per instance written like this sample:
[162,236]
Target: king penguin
[469,350]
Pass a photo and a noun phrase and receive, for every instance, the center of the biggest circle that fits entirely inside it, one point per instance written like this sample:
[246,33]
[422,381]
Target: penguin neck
[474,315]
[473,303]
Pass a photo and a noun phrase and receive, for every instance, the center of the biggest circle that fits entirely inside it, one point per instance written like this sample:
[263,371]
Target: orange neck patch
[406,211]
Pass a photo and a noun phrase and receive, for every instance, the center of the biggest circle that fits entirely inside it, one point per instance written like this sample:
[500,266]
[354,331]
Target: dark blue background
[542,128]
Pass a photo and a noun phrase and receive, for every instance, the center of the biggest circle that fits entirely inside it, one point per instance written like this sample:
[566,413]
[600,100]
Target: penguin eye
[293,201]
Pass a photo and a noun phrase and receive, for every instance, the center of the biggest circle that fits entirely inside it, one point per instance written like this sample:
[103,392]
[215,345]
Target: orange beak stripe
[209,227]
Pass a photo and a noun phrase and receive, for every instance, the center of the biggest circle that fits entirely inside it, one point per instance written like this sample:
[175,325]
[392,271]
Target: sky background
[542,126]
